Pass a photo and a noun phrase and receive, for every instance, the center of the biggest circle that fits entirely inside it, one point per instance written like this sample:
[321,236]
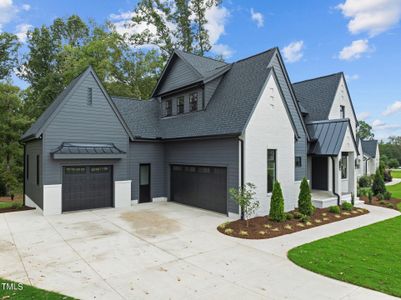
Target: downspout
[334,182]
[242,168]
[23,184]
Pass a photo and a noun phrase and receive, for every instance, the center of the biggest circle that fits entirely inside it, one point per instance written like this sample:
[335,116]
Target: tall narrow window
[90,96]
[37,169]
[342,111]
[344,166]
[169,109]
[27,167]
[180,105]
[271,169]
[193,102]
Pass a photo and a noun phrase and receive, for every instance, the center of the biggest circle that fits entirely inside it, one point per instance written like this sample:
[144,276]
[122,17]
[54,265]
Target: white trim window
[271,169]
[344,166]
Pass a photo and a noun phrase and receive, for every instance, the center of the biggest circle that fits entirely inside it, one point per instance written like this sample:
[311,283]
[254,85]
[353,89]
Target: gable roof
[369,147]
[41,123]
[226,114]
[328,136]
[317,95]
[203,69]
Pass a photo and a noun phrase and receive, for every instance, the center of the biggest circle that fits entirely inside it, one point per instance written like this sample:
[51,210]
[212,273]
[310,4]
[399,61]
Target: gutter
[334,182]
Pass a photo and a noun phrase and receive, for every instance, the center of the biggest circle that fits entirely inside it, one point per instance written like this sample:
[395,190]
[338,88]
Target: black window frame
[27,167]
[270,183]
[90,96]
[37,169]
[298,161]
[168,108]
[342,111]
[193,101]
[180,106]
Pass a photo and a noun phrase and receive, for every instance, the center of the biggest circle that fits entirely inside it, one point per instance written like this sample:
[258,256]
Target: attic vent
[89,96]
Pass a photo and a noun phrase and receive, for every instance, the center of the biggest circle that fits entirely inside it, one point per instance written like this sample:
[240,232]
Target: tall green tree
[13,123]
[8,54]
[176,24]
[364,131]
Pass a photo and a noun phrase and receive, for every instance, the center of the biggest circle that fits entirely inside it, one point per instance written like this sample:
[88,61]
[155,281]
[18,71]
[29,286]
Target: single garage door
[87,187]
[204,187]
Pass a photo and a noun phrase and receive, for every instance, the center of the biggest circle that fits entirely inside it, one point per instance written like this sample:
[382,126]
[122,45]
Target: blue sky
[362,38]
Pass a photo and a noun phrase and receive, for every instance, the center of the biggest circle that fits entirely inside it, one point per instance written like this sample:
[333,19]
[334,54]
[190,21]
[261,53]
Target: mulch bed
[17,198]
[10,209]
[382,203]
[263,228]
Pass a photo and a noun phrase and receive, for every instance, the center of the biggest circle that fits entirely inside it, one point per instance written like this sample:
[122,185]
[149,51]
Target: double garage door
[204,187]
[86,187]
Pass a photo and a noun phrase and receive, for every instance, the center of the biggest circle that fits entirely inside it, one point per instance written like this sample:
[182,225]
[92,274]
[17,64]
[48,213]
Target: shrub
[346,206]
[297,215]
[289,216]
[387,176]
[389,205]
[305,199]
[334,209]
[382,202]
[304,219]
[378,186]
[244,197]
[370,196]
[379,197]
[364,181]
[277,204]
[387,195]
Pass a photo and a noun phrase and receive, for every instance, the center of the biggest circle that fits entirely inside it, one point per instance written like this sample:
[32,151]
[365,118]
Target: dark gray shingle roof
[316,95]
[369,147]
[204,65]
[327,136]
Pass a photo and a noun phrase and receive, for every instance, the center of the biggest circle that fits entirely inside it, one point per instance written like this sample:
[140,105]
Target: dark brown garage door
[204,187]
[87,187]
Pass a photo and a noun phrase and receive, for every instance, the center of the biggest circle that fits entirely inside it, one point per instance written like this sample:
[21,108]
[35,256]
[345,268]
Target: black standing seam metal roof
[87,148]
[328,136]
[369,147]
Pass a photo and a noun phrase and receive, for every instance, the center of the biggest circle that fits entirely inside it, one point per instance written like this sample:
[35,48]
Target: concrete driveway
[163,251]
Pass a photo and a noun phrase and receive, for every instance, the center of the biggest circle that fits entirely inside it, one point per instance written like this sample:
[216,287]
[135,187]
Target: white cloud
[293,52]
[7,11]
[216,16]
[380,125]
[26,7]
[393,108]
[258,18]
[371,16]
[21,31]
[351,77]
[363,115]
[355,50]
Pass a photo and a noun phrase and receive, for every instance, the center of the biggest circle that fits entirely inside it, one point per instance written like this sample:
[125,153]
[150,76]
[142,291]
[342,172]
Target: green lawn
[395,190]
[26,292]
[9,204]
[369,256]
[396,173]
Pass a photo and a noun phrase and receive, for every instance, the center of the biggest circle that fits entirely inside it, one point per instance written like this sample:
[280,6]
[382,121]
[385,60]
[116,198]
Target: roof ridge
[257,54]
[320,77]
[201,56]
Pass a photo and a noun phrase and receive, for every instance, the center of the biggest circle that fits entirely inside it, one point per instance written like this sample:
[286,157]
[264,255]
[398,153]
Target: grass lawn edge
[305,262]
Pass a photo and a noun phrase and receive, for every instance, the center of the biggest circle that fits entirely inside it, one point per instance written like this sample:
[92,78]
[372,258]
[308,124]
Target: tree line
[128,64]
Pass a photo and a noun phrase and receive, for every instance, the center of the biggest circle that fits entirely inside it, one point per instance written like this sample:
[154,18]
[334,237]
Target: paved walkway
[164,251]
[394,181]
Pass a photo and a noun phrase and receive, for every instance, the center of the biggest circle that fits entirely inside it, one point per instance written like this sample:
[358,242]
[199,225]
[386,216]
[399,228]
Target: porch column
[352,173]
[337,174]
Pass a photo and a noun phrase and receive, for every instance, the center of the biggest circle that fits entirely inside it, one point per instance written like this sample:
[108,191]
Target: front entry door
[320,173]
[144,183]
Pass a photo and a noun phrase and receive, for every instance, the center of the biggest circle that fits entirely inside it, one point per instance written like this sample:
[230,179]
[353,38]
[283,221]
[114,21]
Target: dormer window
[193,102]
[342,111]
[169,110]
[180,105]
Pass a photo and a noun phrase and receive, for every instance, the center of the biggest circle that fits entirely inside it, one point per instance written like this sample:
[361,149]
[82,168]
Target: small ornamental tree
[305,199]
[244,197]
[378,186]
[277,204]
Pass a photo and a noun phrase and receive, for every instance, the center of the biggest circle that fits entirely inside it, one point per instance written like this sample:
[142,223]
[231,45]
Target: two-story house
[208,127]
